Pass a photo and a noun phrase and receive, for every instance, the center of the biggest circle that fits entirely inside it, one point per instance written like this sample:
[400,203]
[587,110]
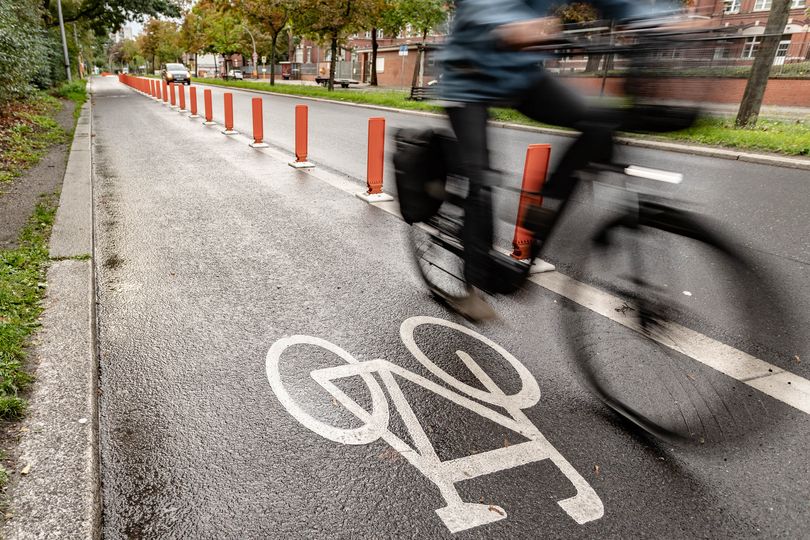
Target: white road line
[767,378]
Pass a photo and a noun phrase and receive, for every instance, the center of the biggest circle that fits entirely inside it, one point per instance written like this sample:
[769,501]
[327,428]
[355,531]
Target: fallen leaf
[26,469]
[690,376]
[506,443]
[797,359]
[596,470]
[495,509]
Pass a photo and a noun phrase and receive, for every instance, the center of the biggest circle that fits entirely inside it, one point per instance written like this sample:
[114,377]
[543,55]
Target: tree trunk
[592,66]
[273,60]
[761,70]
[332,64]
[374,47]
[417,68]
[196,68]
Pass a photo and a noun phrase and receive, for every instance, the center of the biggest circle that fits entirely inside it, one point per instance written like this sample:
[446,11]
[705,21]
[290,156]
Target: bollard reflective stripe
[534,176]
[376,155]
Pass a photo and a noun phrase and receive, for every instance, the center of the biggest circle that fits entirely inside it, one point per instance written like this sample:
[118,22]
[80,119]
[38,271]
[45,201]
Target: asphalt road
[211,256]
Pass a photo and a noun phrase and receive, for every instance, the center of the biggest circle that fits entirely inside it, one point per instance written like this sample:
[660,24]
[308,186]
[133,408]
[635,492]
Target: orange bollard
[158,93]
[209,114]
[229,115]
[192,94]
[182,90]
[258,124]
[173,95]
[301,127]
[534,176]
[376,161]
[165,93]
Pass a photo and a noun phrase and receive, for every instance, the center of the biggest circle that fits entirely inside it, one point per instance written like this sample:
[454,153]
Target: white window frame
[762,5]
[731,6]
[751,47]
[796,4]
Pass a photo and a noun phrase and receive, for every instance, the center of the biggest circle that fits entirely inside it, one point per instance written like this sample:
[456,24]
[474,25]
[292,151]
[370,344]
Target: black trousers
[550,102]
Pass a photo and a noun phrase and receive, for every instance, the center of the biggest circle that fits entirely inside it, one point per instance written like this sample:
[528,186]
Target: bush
[26,50]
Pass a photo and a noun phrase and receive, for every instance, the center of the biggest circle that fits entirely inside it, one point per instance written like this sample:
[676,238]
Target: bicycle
[659,387]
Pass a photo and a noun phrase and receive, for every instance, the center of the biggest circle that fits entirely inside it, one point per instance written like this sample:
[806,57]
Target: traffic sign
[264,59]
[255,57]
[403,50]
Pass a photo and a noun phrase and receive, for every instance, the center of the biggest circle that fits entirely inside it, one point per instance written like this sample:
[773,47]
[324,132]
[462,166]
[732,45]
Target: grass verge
[790,138]
[27,130]
[22,285]
[75,91]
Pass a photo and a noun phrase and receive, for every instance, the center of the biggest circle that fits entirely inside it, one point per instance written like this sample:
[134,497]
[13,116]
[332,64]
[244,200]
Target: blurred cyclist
[484,67]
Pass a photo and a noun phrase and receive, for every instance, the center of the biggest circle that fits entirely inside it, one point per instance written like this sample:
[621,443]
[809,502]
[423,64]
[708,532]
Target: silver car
[176,73]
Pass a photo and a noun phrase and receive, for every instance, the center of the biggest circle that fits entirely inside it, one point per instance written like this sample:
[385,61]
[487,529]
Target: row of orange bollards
[534,173]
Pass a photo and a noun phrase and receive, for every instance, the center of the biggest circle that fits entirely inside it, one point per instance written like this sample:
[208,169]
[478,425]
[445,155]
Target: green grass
[777,136]
[783,137]
[22,285]
[75,91]
[26,132]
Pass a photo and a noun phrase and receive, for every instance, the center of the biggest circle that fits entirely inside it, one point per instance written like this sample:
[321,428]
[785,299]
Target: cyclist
[483,66]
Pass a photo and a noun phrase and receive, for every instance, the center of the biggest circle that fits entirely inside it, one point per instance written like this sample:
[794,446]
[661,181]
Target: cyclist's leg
[470,126]
[552,102]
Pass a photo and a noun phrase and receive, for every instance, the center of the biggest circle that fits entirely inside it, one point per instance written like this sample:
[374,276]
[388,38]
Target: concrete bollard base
[259,145]
[207,123]
[374,197]
[229,132]
[302,165]
[194,116]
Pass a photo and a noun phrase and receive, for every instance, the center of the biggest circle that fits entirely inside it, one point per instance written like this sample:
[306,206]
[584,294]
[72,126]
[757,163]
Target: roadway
[210,255]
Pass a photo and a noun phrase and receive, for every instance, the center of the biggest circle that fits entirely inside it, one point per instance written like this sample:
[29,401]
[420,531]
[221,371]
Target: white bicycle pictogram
[457,515]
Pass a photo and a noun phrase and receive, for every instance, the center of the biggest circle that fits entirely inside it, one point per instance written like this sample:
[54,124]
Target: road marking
[457,515]
[767,378]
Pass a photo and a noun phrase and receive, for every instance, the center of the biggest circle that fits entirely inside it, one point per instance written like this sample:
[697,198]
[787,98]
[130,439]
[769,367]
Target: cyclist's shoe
[473,307]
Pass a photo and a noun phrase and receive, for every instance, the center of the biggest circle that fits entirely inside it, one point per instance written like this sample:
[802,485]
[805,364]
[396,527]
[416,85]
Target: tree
[331,21]
[387,17]
[160,41]
[763,62]
[423,16]
[270,16]
[224,33]
[105,16]
[192,35]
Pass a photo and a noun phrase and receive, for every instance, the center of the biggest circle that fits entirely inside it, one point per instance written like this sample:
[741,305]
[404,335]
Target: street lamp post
[255,56]
[64,40]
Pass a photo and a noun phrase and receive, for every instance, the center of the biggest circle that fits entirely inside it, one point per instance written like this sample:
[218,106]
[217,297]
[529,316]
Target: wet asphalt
[208,253]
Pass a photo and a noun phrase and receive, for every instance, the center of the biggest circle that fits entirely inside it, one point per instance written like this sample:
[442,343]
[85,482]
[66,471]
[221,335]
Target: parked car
[235,74]
[176,73]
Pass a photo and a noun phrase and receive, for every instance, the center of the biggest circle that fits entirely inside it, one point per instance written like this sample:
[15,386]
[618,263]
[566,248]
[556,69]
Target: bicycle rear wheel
[670,359]
[439,257]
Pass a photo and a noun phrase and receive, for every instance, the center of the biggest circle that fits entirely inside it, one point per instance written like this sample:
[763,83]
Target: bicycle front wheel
[692,321]
[439,259]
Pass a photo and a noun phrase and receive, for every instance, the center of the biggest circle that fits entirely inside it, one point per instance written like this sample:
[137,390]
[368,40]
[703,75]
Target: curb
[59,496]
[707,151]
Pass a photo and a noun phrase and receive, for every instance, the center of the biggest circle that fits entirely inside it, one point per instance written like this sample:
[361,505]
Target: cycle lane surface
[209,253]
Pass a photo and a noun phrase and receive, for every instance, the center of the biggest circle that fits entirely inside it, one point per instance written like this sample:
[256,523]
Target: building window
[731,6]
[379,34]
[797,4]
[762,5]
[781,51]
[751,47]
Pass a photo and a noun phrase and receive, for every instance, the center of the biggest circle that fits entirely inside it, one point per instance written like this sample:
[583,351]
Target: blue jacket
[476,69]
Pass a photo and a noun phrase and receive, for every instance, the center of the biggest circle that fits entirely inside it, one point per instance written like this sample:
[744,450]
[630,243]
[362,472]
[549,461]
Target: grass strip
[75,91]
[27,130]
[778,136]
[22,286]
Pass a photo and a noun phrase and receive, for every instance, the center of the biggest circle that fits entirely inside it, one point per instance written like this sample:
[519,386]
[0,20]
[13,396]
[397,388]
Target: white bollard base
[374,198]
[207,123]
[229,132]
[541,267]
[259,145]
[302,165]
[194,116]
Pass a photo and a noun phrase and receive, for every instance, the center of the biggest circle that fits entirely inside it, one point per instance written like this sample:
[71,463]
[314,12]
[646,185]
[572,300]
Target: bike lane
[209,254]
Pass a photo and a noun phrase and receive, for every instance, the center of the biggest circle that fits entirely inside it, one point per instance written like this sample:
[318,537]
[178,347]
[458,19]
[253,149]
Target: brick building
[749,18]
